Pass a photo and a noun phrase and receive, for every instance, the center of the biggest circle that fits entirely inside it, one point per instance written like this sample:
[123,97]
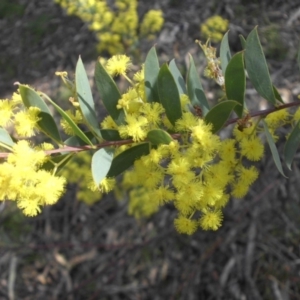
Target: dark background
[74,251]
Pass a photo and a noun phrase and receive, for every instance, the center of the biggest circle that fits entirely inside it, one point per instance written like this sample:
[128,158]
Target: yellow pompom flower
[118,65]
[108,123]
[239,189]
[152,22]
[214,27]
[296,116]
[107,185]
[26,121]
[277,119]
[185,225]
[186,122]
[179,166]
[227,150]
[163,194]
[136,128]
[23,182]
[152,111]
[6,111]
[140,75]
[211,220]
[184,102]
[247,176]
[252,148]
[245,132]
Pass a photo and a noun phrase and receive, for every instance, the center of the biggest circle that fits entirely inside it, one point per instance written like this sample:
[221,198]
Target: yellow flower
[152,22]
[136,128]
[118,65]
[6,111]
[252,148]
[152,111]
[186,122]
[277,119]
[185,225]
[214,27]
[211,220]
[26,121]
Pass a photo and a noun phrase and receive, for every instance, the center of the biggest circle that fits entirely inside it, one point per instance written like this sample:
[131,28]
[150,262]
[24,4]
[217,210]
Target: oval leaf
[243,41]
[101,163]
[168,94]
[195,89]
[257,68]
[46,123]
[273,149]
[77,131]
[111,134]
[178,77]
[5,138]
[225,54]
[85,98]
[158,136]
[151,74]
[109,93]
[219,114]
[127,158]
[75,141]
[292,145]
[235,82]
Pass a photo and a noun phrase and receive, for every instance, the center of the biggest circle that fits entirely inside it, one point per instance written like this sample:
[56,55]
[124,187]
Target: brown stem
[175,135]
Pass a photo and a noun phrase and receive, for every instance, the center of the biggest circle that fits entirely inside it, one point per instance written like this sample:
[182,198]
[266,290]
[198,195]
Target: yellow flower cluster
[116,29]
[22,180]
[197,174]
[214,28]
[13,113]
[278,119]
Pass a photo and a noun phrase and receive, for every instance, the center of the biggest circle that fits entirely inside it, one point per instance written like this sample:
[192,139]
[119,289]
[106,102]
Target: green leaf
[225,54]
[168,94]
[77,131]
[76,141]
[243,41]
[257,68]
[277,95]
[151,74]
[273,148]
[219,114]
[195,89]
[5,138]
[111,135]
[291,145]
[85,98]
[127,158]
[178,77]
[158,136]
[101,163]
[46,123]
[109,93]
[235,82]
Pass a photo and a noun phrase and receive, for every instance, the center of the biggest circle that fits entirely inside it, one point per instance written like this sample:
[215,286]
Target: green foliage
[160,135]
[118,30]
[9,8]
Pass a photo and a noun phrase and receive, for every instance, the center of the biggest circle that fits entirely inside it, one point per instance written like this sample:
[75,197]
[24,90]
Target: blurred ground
[72,251]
